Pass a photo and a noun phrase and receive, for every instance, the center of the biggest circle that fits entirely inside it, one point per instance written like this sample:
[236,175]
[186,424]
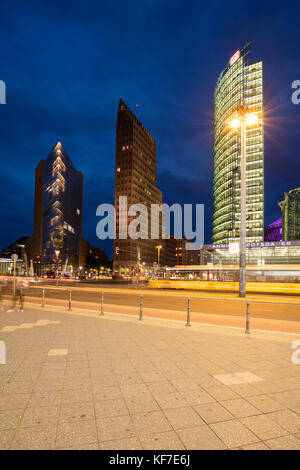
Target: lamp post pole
[240,122]
[158,255]
[242,284]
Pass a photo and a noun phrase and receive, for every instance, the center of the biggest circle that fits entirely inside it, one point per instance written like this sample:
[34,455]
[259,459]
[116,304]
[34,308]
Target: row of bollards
[188,318]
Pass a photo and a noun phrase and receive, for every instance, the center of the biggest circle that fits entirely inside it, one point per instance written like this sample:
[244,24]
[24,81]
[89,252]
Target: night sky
[66,64]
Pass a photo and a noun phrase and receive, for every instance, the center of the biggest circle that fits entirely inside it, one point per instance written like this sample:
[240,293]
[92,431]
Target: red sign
[235,57]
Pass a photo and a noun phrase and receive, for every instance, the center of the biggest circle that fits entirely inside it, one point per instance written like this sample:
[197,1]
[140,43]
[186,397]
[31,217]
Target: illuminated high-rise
[239,87]
[135,177]
[57,210]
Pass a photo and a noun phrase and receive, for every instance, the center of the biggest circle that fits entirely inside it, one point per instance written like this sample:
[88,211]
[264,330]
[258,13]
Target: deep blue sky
[66,63]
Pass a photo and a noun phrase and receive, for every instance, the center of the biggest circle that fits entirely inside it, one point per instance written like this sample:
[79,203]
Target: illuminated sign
[235,57]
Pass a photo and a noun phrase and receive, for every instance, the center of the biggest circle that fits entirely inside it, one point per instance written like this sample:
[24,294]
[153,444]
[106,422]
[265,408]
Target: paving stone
[149,377]
[132,443]
[9,419]
[43,416]
[234,433]
[13,400]
[263,427]
[19,387]
[284,443]
[257,446]
[160,387]
[80,411]
[39,399]
[76,396]
[162,441]
[5,438]
[129,379]
[287,419]
[89,446]
[200,438]
[117,427]
[141,404]
[222,393]
[181,418]
[76,433]
[245,390]
[170,400]
[151,422]
[57,352]
[240,408]
[186,384]
[265,403]
[197,397]
[35,438]
[213,412]
[108,408]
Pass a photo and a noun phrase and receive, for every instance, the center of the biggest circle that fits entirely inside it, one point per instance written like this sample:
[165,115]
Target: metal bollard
[188,319]
[247,331]
[141,308]
[43,298]
[101,308]
[70,300]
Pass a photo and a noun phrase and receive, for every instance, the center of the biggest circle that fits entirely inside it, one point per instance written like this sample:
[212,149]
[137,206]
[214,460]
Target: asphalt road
[168,301]
[216,308]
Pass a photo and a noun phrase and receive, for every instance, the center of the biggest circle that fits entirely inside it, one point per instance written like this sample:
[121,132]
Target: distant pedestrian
[23,284]
[19,294]
[1,293]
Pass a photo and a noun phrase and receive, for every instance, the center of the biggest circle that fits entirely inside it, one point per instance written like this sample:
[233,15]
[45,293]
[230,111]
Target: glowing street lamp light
[241,121]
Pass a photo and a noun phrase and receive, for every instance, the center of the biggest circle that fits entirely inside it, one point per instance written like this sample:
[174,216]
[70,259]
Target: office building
[57,211]
[290,210]
[239,89]
[135,177]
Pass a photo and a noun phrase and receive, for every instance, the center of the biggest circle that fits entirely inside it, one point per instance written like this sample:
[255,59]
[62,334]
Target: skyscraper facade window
[239,87]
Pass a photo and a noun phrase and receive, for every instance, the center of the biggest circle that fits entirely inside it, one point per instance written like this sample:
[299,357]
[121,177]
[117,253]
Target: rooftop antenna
[137,110]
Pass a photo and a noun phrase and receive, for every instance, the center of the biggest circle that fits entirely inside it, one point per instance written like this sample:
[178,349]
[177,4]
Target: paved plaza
[75,381]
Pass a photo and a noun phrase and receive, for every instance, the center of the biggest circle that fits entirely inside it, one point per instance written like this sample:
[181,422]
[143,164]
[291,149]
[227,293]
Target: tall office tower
[135,177]
[290,210]
[57,210]
[239,89]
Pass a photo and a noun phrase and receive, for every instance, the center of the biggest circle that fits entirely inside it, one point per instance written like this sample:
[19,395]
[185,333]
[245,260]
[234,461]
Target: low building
[273,232]
[259,253]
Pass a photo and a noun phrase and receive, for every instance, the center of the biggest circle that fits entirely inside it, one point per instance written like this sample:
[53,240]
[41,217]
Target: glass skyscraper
[240,86]
[57,209]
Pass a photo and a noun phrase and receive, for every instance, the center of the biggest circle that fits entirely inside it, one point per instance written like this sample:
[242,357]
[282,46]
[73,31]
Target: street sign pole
[14,257]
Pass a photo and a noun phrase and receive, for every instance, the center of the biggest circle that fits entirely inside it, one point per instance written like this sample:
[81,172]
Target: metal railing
[140,305]
[188,304]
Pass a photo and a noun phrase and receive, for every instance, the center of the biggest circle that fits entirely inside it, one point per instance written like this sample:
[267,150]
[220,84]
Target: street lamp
[57,252]
[241,121]
[159,247]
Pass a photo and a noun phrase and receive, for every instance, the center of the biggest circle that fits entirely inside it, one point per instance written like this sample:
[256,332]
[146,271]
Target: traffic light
[117,250]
